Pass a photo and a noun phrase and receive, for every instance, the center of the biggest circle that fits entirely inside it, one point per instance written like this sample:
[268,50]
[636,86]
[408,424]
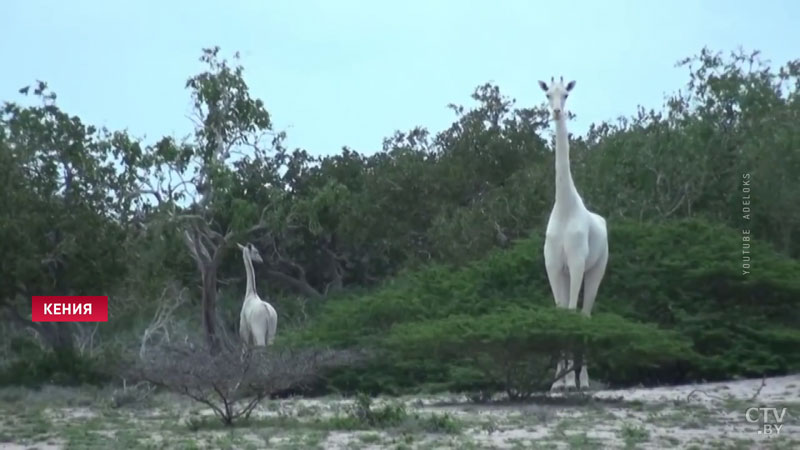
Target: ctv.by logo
[771,419]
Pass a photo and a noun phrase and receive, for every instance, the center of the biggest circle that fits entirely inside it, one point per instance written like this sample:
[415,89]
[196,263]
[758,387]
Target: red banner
[69,308]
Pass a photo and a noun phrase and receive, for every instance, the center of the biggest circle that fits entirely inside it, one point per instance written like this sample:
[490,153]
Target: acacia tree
[192,184]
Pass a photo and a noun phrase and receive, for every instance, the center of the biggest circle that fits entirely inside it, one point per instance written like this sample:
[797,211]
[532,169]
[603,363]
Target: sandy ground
[712,415]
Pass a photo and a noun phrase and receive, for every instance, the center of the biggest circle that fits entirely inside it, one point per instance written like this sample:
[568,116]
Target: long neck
[565,188]
[251,277]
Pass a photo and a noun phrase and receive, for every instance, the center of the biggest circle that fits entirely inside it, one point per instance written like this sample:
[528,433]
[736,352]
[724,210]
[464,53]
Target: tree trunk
[210,306]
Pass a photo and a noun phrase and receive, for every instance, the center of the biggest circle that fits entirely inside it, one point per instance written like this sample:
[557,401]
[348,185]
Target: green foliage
[39,367]
[736,116]
[674,307]
[59,219]
[64,210]
[519,346]
[687,275]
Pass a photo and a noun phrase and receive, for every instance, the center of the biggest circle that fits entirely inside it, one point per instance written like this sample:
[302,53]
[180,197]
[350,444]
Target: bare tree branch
[232,382]
[300,285]
[162,317]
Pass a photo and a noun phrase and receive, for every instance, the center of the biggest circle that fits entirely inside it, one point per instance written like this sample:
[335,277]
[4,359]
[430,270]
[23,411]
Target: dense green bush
[39,367]
[687,275]
[518,347]
[682,276]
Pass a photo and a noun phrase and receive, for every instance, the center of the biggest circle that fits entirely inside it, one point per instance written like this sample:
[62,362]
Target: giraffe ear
[570,85]
[543,85]
[241,247]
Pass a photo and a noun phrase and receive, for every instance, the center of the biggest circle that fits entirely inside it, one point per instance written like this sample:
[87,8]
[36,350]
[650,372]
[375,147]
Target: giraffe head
[251,251]
[557,93]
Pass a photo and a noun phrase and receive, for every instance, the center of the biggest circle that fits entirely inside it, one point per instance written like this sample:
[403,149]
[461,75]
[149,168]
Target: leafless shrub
[233,381]
[85,340]
[163,316]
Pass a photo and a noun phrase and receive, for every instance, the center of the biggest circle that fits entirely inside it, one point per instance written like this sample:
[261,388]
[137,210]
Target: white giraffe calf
[258,320]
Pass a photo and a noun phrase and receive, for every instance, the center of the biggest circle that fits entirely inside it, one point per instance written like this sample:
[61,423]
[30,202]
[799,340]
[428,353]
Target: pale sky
[335,73]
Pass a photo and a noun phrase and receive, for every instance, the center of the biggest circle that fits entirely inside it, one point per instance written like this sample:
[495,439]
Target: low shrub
[518,347]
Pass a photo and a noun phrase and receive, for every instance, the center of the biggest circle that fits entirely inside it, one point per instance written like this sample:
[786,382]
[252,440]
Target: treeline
[92,211]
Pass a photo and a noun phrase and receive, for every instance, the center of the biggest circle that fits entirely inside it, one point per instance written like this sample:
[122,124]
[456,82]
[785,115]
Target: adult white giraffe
[576,242]
[258,320]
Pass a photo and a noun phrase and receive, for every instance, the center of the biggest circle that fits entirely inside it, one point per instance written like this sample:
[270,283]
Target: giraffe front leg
[584,376]
[569,378]
[559,283]
[558,385]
